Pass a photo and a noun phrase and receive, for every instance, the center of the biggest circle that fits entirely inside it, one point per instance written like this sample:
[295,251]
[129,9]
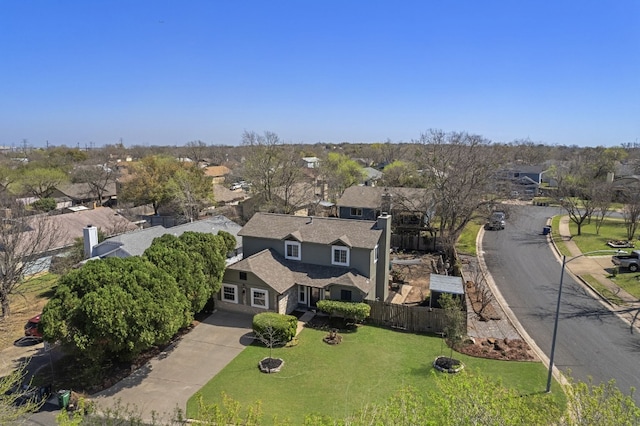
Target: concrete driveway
[169,380]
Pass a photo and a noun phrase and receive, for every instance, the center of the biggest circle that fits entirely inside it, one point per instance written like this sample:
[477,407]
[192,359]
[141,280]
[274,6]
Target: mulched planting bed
[504,349]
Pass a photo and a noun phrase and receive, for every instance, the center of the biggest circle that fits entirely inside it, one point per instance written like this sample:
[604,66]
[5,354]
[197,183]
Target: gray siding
[367,214]
[336,293]
[244,290]
[314,254]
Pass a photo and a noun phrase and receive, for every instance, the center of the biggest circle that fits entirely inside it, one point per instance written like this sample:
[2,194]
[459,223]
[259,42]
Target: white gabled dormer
[341,251]
[293,246]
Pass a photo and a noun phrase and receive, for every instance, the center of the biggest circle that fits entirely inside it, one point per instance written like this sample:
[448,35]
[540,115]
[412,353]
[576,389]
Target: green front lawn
[367,367]
[590,240]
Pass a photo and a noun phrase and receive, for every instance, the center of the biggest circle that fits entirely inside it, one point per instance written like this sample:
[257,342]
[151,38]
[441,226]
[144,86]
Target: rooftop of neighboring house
[371,197]
[223,194]
[135,243]
[321,230]
[69,225]
[216,171]
[84,190]
[371,173]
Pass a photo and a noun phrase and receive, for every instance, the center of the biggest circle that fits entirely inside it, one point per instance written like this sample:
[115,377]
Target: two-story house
[292,262]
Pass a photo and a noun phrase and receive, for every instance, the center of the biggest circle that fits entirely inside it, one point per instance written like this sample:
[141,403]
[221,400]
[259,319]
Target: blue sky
[170,72]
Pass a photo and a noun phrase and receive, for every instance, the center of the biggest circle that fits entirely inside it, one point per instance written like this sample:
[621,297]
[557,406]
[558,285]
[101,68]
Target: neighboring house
[69,226]
[521,180]
[292,262]
[310,162]
[298,199]
[135,243]
[218,174]
[74,194]
[223,196]
[627,187]
[411,208]
[371,176]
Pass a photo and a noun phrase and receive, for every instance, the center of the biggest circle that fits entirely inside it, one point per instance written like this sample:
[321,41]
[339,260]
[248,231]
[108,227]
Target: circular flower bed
[270,365]
[333,338]
[448,365]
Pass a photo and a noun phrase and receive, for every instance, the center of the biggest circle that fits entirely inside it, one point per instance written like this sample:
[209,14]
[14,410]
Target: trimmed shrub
[348,310]
[275,327]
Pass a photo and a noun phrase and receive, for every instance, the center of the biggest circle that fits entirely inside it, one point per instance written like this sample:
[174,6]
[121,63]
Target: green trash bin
[63,398]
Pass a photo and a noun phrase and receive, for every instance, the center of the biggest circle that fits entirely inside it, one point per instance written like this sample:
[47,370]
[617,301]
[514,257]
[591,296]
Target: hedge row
[348,310]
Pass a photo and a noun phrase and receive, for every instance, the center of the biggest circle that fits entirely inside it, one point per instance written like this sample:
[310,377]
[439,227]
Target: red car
[31,327]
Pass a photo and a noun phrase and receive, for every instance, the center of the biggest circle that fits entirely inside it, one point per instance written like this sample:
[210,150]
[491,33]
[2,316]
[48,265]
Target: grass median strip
[603,290]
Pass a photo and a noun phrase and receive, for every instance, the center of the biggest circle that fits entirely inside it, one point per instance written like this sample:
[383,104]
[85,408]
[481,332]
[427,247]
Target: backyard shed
[439,284]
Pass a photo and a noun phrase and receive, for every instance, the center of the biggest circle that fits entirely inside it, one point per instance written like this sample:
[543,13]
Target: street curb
[511,316]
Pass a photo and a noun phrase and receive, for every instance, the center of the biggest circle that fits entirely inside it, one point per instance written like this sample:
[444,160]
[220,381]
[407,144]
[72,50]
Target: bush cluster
[275,327]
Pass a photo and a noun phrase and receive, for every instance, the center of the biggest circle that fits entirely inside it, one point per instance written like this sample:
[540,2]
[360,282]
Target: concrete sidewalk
[598,267]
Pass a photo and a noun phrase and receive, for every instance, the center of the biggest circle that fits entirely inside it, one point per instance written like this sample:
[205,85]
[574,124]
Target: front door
[314,296]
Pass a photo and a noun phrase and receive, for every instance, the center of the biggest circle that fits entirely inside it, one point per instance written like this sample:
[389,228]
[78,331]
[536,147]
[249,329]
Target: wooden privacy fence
[410,318]
[412,242]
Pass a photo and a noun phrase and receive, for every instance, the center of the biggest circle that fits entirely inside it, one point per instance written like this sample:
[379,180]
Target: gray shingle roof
[321,230]
[370,197]
[281,274]
[69,225]
[135,243]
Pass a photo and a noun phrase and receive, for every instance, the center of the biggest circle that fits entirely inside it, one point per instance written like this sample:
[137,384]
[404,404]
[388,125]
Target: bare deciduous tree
[24,239]
[459,168]
[631,212]
[577,193]
[98,177]
[603,202]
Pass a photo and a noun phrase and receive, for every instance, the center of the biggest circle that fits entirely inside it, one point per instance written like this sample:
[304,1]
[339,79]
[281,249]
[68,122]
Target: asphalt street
[592,341]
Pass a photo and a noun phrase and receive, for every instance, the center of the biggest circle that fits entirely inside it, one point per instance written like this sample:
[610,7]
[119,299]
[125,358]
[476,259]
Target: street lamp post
[555,323]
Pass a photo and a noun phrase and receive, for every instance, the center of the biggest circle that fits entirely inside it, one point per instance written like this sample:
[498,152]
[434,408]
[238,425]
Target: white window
[292,250]
[302,294]
[340,255]
[375,254]
[259,298]
[356,211]
[230,293]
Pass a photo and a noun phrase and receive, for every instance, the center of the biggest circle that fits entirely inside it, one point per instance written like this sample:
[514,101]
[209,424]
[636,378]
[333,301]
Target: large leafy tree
[213,249]
[40,182]
[340,172]
[113,309]
[190,190]
[150,181]
[162,181]
[401,173]
[172,255]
